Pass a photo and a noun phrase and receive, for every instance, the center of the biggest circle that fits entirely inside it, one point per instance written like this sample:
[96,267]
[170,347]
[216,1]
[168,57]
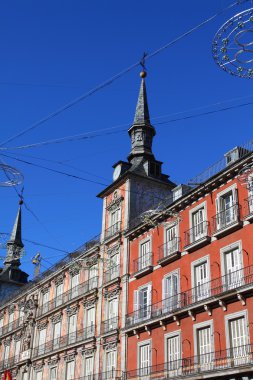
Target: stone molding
[56,317]
[90,302]
[111,293]
[92,260]
[42,324]
[7,341]
[111,346]
[88,351]
[70,356]
[74,269]
[53,361]
[17,336]
[71,310]
[115,202]
[59,279]
[38,366]
[45,288]
[114,250]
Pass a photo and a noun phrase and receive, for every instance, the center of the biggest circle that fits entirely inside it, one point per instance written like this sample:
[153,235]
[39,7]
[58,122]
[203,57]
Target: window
[57,334]
[112,314]
[72,328]
[58,294]
[201,281]
[53,373]
[38,375]
[42,340]
[114,266]
[198,225]
[89,367]
[110,364]
[144,359]
[142,303]
[233,268]
[171,241]
[145,255]
[25,376]
[226,208]
[238,340]
[70,372]
[6,352]
[171,292]
[74,285]
[90,321]
[11,319]
[17,350]
[21,313]
[204,347]
[93,272]
[45,299]
[115,219]
[173,354]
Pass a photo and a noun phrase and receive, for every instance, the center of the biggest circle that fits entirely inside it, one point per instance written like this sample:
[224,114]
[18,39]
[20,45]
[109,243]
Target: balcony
[169,251]
[229,285]
[68,296]
[112,231]
[143,265]
[11,326]
[10,362]
[64,341]
[213,364]
[197,236]
[248,208]
[113,374]
[226,221]
[112,274]
[110,325]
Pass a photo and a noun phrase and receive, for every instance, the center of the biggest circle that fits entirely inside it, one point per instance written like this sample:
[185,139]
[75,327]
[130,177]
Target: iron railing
[143,262]
[233,358]
[110,325]
[169,248]
[113,374]
[64,341]
[71,294]
[226,218]
[249,205]
[10,362]
[227,283]
[112,273]
[197,233]
[112,230]
[11,326]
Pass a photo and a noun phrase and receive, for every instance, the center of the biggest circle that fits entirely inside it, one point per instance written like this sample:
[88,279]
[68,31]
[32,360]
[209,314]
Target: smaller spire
[16,231]
[142,113]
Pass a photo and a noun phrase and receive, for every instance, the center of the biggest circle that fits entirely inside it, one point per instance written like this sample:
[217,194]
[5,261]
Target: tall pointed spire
[141,132]
[15,244]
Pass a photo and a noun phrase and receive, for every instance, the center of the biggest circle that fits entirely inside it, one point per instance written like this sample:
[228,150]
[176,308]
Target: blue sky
[54,51]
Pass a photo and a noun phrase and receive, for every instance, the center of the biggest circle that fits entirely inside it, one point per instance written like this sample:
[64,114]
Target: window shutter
[136,300]
[149,298]
[235,196]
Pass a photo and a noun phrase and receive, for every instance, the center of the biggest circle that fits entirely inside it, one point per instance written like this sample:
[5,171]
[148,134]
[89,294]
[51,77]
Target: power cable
[117,76]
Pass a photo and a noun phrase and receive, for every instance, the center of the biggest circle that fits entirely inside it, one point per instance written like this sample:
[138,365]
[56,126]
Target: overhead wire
[117,76]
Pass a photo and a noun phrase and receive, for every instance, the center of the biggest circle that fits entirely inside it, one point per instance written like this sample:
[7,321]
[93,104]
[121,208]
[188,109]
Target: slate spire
[141,132]
[15,244]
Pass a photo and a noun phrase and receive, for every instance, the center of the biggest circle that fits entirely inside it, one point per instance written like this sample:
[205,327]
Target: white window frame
[228,318]
[234,191]
[209,364]
[139,345]
[148,259]
[86,358]
[202,205]
[177,333]
[105,360]
[167,227]
[227,249]
[50,370]
[196,263]
[177,296]
[137,310]
[115,224]
[66,371]
[38,372]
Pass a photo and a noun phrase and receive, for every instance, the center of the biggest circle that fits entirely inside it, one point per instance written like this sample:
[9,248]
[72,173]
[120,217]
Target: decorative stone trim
[14,372]
[53,361]
[74,269]
[89,302]
[70,356]
[111,346]
[110,293]
[56,317]
[2,312]
[115,203]
[113,250]
[92,260]
[45,288]
[59,279]
[21,304]
[42,324]
[71,310]
[88,351]
[38,366]
[17,336]
[7,341]
[11,308]
[31,303]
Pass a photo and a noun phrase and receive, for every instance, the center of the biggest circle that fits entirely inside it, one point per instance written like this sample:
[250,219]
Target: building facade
[164,291]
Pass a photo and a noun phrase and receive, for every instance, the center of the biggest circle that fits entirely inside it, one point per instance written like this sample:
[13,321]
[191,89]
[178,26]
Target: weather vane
[233,45]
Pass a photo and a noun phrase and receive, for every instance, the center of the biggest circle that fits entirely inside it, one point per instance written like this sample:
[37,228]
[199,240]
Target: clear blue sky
[53,51]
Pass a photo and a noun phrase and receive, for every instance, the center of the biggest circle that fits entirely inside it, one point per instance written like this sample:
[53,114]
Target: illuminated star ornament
[233,45]
[7,376]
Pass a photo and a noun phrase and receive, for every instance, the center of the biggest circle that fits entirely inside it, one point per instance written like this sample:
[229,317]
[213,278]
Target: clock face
[116,172]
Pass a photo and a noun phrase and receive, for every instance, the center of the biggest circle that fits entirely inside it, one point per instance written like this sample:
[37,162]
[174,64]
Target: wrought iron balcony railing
[71,294]
[11,326]
[110,325]
[113,374]
[112,230]
[10,362]
[234,358]
[249,206]
[226,218]
[197,233]
[64,341]
[168,249]
[232,281]
[143,262]
[112,273]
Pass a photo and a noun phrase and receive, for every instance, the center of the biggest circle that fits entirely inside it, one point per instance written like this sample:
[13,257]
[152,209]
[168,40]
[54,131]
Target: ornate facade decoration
[89,302]
[71,310]
[45,288]
[11,308]
[42,324]
[56,317]
[115,203]
[38,366]
[92,260]
[17,336]
[59,279]
[114,250]
[111,346]
[53,361]
[74,269]
[110,293]
[7,341]
[70,356]
[89,351]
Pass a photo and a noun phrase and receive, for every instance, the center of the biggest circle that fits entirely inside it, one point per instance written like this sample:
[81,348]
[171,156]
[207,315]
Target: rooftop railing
[226,218]
[71,294]
[234,358]
[228,283]
[64,341]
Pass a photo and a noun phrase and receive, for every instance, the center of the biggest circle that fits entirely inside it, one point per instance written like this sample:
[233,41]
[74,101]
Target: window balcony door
[233,268]
[170,293]
[72,329]
[171,241]
[202,285]
[59,297]
[205,355]
[198,225]
[144,361]
[142,304]
[145,258]
[57,335]
[240,351]
[173,364]
[90,322]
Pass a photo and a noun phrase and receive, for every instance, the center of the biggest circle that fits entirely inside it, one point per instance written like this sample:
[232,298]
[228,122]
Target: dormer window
[154,169]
